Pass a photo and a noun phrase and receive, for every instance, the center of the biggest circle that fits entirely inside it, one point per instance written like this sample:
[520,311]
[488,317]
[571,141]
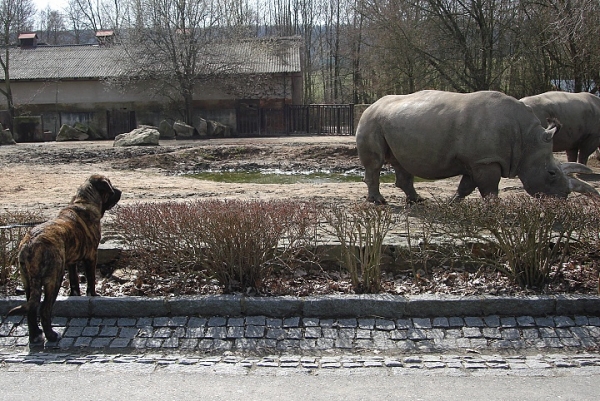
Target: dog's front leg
[90,275]
[73,280]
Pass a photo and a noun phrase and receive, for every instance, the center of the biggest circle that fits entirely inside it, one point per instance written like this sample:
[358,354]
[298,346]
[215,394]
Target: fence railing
[324,119]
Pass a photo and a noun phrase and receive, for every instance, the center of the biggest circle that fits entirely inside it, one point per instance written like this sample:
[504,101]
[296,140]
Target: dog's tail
[19,310]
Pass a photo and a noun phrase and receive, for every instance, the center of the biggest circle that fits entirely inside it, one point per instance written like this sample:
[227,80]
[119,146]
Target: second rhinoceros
[579,114]
[482,136]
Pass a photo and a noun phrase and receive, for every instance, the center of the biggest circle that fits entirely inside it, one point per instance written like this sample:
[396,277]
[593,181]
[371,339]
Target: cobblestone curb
[262,334]
[381,305]
[551,364]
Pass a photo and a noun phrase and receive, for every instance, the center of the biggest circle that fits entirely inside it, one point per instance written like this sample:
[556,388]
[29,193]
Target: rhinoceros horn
[572,168]
[575,184]
[553,127]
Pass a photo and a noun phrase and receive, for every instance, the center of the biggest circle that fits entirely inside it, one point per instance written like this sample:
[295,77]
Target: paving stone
[125,322]
[120,342]
[492,321]
[235,332]
[162,332]
[363,333]
[79,322]
[328,323]
[510,334]
[347,323]
[255,331]
[456,321]
[310,322]
[291,322]
[109,331]
[491,332]
[366,324]
[508,322]
[404,324]
[525,321]
[312,332]
[256,320]
[422,323]
[217,321]
[276,333]
[384,324]
[472,332]
[474,321]
[563,321]
[218,332]
[544,321]
[197,322]
[274,323]
[440,322]
[90,331]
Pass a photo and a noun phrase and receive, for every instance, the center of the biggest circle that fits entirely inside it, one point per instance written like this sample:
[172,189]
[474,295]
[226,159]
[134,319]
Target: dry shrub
[361,230]
[234,241]
[13,226]
[522,236]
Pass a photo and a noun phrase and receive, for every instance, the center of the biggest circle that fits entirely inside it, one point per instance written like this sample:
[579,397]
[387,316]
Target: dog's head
[99,189]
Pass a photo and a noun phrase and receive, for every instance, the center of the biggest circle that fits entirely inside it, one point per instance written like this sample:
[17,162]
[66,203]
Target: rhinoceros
[482,136]
[579,114]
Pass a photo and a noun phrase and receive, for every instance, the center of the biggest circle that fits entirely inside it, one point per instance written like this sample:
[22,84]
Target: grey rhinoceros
[482,136]
[579,114]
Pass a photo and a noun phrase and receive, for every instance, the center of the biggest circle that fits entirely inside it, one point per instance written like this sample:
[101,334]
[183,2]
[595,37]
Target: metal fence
[316,119]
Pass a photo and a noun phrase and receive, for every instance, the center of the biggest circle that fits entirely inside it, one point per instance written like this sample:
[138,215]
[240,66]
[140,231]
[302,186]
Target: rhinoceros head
[542,174]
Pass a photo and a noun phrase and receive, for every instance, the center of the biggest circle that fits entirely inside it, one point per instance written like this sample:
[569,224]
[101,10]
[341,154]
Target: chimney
[105,37]
[28,40]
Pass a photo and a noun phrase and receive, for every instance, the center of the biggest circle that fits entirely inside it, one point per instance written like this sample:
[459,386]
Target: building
[56,85]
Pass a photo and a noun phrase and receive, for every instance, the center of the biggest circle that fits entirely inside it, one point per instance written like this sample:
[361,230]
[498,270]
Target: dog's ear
[102,184]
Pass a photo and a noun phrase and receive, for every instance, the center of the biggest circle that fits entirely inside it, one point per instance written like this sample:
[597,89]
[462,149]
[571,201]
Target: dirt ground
[43,177]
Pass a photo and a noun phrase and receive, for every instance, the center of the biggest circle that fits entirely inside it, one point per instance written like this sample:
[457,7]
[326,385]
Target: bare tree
[182,37]
[574,25]
[51,25]
[15,17]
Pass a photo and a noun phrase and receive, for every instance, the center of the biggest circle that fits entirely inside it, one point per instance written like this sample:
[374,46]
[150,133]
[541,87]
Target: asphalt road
[146,383]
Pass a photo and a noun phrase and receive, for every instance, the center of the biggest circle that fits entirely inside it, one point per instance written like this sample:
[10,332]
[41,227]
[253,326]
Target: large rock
[143,136]
[183,131]
[201,126]
[166,130]
[218,130]
[92,133]
[68,133]
[6,137]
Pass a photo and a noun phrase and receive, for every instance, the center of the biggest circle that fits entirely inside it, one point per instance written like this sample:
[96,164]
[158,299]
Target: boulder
[6,137]
[143,136]
[92,133]
[218,130]
[68,133]
[201,126]
[166,130]
[183,131]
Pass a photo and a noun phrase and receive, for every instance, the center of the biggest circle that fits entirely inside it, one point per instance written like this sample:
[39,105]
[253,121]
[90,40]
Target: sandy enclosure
[44,176]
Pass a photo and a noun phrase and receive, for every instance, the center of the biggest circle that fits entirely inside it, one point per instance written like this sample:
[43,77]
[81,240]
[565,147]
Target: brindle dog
[59,244]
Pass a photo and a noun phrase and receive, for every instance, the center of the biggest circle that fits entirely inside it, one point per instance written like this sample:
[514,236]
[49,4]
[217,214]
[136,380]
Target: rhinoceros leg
[405,181]
[572,155]
[485,177]
[586,148]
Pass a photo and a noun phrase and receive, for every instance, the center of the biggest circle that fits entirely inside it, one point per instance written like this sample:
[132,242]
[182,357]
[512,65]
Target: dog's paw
[37,339]
[53,337]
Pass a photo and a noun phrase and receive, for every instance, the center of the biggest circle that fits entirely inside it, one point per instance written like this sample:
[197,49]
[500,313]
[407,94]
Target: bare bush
[13,226]
[522,236]
[236,242]
[361,230]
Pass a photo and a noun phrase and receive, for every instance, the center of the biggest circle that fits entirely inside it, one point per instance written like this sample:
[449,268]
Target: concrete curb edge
[329,306]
